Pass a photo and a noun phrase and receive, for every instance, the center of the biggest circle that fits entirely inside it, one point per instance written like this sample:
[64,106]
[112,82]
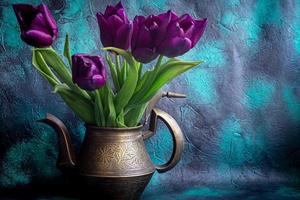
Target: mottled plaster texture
[241,119]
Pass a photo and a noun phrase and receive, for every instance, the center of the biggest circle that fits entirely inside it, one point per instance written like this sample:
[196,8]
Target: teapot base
[113,188]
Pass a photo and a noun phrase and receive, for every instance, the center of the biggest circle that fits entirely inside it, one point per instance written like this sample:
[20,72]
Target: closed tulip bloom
[115,28]
[38,27]
[88,72]
[182,35]
[148,33]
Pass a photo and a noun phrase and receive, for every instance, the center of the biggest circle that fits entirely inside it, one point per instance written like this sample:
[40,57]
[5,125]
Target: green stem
[99,111]
[124,72]
[140,70]
[113,72]
[118,68]
[145,83]
[160,58]
[67,53]
[52,58]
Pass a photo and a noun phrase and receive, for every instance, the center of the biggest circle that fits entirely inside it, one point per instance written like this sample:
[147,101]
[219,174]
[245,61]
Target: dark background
[241,119]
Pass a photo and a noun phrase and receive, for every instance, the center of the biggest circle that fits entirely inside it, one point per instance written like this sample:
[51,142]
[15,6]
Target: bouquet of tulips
[81,81]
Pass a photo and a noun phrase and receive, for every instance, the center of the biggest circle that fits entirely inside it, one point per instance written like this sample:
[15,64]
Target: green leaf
[124,95]
[143,79]
[120,120]
[99,111]
[118,68]
[42,67]
[126,54]
[67,53]
[111,117]
[113,72]
[134,116]
[123,74]
[127,90]
[140,70]
[145,83]
[91,94]
[167,72]
[56,63]
[82,107]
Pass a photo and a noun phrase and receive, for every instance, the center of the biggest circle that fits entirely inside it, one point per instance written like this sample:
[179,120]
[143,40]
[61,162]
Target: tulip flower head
[38,27]
[115,28]
[182,34]
[88,71]
[148,33]
[165,34]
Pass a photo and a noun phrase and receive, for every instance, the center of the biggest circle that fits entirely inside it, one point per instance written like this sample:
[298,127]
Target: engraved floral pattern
[118,156]
[125,156]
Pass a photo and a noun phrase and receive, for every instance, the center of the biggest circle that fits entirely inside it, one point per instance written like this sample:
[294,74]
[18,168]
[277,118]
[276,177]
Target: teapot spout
[66,158]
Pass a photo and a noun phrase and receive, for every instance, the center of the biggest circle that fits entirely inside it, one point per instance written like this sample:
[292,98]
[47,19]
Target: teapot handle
[177,137]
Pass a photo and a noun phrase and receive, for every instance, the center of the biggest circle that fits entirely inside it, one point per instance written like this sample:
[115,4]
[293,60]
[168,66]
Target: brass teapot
[113,162]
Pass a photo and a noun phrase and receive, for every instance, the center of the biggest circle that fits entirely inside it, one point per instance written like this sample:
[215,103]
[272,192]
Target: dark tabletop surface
[270,191]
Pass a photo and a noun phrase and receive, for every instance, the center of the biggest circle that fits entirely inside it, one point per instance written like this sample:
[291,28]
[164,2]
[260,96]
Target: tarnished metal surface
[114,153]
[111,158]
[177,137]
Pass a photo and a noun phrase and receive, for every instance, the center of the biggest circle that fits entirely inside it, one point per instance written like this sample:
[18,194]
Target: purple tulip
[115,28]
[183,34]
[38,27]
[88,72]
[147,34]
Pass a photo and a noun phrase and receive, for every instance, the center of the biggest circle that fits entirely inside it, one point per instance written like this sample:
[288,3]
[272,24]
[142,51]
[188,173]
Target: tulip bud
[38,27]
[182,34]
[88,72]
[148,32]
[115,28]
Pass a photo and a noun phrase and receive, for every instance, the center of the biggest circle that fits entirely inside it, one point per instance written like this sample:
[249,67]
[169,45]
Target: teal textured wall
[241,119]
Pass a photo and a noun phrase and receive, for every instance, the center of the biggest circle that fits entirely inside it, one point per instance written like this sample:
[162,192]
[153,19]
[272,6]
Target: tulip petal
[85,84]
[110,10]
[49,19]
[25,14]
[185,18]
[121,13]
[37,38]
[114,23]
[174,16]
[190,30]
[105,35]
[170,16]
[144,38]
[135,29]
[123,37]
[119,5]
[40,24]
[98,81]
[99,62]
[174,30]
[198,30]
[165,19]
[187,23]
[176,46]
[144,55]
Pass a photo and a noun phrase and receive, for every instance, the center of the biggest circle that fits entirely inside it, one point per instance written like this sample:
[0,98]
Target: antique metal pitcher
[113,162]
